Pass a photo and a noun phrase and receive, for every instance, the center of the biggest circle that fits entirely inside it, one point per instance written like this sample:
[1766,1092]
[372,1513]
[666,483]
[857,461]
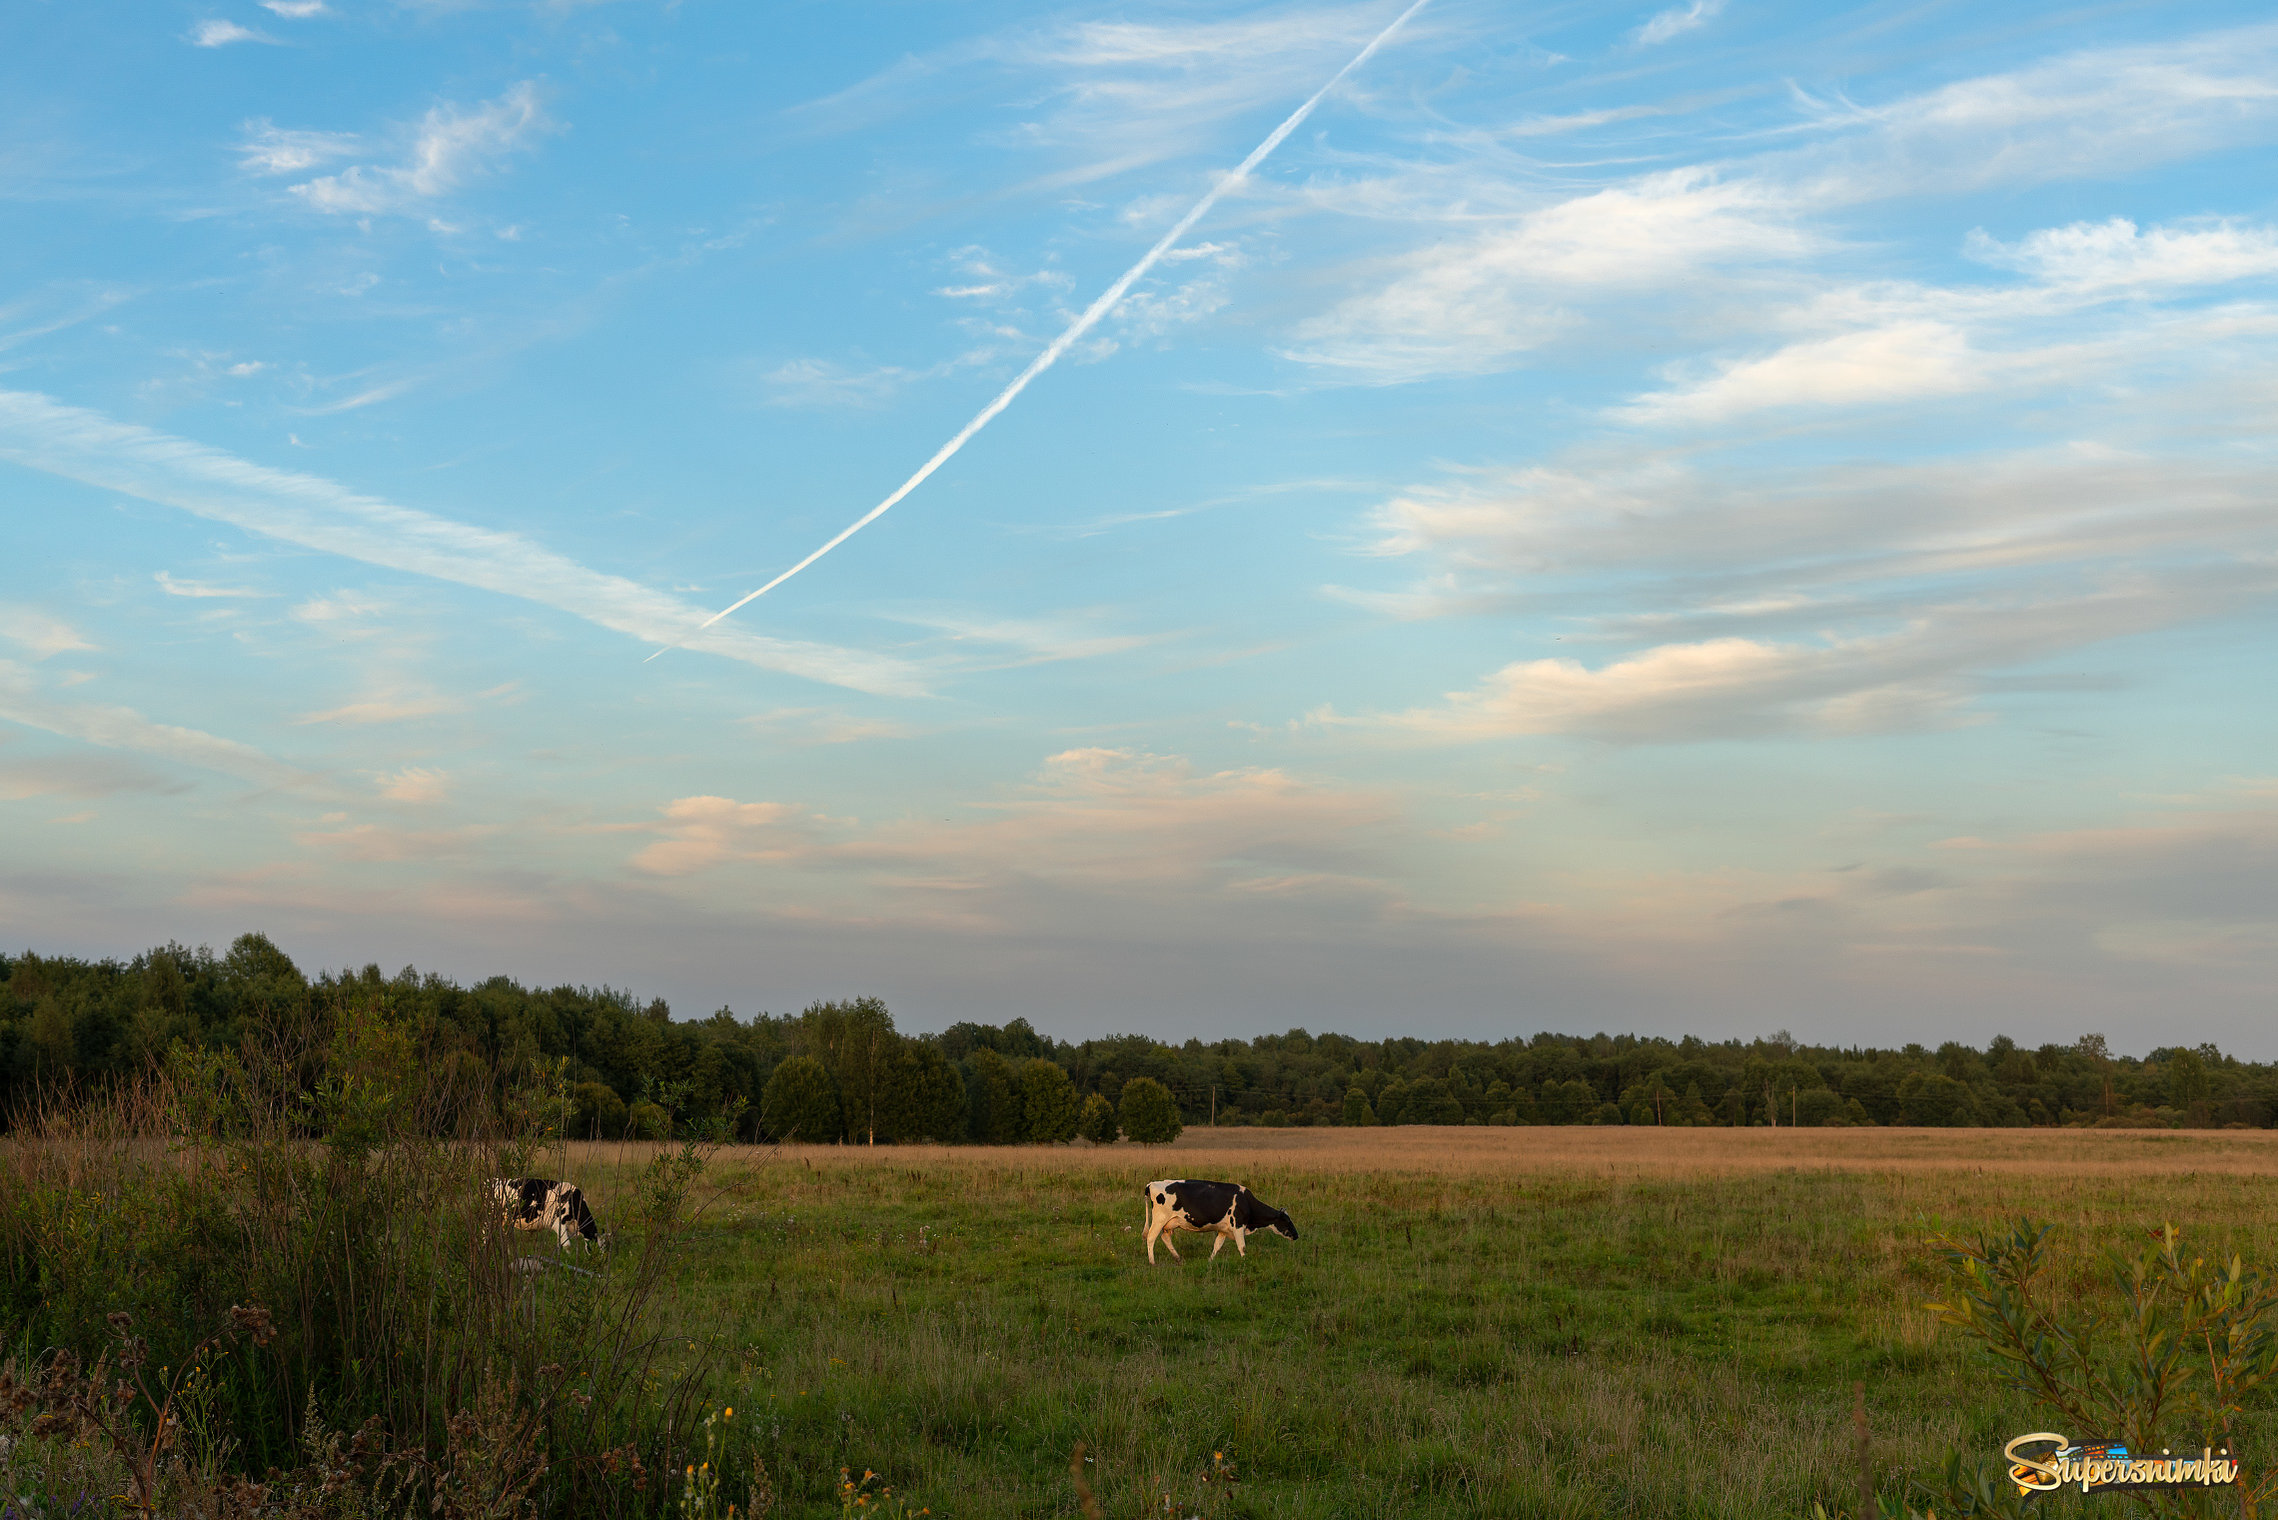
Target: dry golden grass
[1574,1151]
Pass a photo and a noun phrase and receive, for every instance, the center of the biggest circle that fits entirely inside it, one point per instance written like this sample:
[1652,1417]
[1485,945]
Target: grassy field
[1476,1322]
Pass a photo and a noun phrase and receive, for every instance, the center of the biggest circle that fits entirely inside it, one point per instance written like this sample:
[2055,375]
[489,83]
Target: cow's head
[1253,1213]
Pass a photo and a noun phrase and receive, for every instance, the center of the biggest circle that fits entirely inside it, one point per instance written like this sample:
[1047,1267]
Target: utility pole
[1771,1105]
[1214,1105]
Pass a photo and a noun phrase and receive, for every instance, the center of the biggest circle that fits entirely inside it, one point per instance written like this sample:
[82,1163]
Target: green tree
[1568,1102]
[1148,1114]
[1934,1098]
[2188,1084]
[857,1043]
[992,1114]
[1819,1107]
[1392,1103]
[596,1112]
[802,1103]
[1049,1107]
[1097,1122]
[1357,1111]
[938,1105]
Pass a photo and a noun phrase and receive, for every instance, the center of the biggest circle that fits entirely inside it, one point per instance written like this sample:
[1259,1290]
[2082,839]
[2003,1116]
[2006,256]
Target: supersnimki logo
[2095,1465]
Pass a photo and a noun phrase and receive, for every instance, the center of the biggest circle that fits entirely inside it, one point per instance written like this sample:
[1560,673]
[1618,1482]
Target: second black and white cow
[540,1203]
[1225,1209]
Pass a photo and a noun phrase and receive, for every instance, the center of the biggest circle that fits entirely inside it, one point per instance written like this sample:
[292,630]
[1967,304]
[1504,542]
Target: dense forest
[615,1066]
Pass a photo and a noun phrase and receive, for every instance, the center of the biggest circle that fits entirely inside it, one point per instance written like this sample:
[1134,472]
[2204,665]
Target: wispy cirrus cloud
[315,513]
[392,707]
[270,149]
[43,633]
[215,32]
[1678,20]
[1142,828]
[1549,268]
[1110,96]
[807,726]
[202,590]
[113,727]
[451,146]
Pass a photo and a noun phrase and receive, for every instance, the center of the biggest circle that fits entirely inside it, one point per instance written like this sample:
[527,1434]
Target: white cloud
[214,33]
[1901,362]
[453,145]
[44,635]
[376,842]
[1678,20]
[295,10]
[1032,641]
[1721,688]
[322,515]
[200,589]
[419,785]
[806,726]
[390,707]
[270,149]
[124,728]
[2114,256]
[1121,822]
[1549,270]
[820,382]
[1474,304]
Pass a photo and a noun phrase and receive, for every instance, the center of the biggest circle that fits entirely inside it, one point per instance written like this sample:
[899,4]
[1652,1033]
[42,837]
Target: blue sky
[1700,519]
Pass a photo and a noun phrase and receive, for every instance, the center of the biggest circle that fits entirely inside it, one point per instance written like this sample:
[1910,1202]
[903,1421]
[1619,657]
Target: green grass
[1534,1335]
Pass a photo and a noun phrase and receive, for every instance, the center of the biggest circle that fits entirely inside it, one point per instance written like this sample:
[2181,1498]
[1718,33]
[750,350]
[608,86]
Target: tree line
[605,1064]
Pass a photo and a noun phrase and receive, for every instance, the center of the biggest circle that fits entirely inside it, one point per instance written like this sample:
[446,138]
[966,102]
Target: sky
[1703,520]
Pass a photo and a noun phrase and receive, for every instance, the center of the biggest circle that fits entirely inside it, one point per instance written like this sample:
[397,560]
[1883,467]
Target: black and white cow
[1225,1209]
[540,1203]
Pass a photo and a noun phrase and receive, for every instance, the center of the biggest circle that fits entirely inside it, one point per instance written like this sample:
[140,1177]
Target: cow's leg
[1153,1230]
[1241,1243]
[1170,1242]
[1217,1244]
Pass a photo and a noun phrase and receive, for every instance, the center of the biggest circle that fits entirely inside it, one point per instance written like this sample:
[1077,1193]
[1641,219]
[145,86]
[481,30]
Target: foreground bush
[2169,1356]
[202,1294]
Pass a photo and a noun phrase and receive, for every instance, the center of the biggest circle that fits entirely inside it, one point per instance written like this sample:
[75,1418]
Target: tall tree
[1048,1103]
[1148,1114]
[802,1103]
[993,1115]
[857,1042]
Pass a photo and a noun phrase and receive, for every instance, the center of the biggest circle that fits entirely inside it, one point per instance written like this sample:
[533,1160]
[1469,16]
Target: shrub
[2173,1356]
[647,1121]
[596,1112]
[370,1273]
[1148,1114]
[1357,1111]
[1097,1122]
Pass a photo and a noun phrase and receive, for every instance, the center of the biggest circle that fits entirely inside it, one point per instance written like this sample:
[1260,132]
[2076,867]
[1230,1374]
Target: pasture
[1491,1322]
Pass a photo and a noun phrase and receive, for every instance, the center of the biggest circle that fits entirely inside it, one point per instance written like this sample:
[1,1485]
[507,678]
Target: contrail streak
[1106,303]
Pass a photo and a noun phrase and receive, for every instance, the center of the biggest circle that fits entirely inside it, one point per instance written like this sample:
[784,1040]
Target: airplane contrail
[1106,303]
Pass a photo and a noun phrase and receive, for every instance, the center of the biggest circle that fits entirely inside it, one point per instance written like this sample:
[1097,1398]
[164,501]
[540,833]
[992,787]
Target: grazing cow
[540,1203]
[1225,1209]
